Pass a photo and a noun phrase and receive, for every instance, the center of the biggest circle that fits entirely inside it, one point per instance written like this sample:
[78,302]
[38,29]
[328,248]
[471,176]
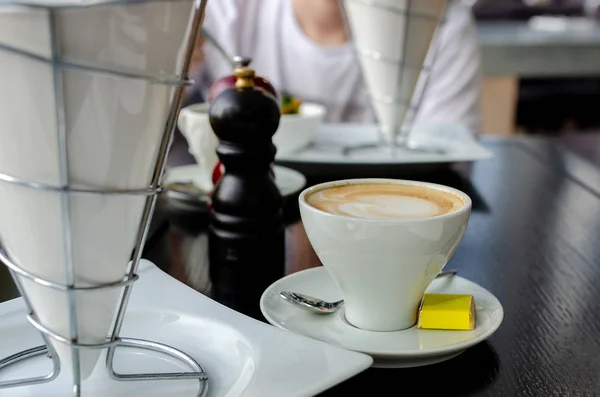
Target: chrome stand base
[23,356]
[197,371]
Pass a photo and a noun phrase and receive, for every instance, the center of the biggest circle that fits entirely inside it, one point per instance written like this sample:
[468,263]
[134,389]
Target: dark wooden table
[533,240]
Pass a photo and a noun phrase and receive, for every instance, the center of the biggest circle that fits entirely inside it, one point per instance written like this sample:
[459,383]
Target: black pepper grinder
[246,233]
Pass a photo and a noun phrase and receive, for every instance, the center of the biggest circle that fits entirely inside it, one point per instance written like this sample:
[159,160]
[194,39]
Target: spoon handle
[308,301]
[445,273]
[320,306]
[218,46]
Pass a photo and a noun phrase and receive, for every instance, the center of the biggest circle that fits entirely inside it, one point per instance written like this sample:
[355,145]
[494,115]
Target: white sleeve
[453,91]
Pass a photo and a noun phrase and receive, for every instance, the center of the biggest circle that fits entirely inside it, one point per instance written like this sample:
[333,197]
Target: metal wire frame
[410,104]
[65,190]
[65,65]
[149,191]
[30,353]
[197,373]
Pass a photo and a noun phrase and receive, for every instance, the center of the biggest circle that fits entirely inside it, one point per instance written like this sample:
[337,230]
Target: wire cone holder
[391,73]
[66,191]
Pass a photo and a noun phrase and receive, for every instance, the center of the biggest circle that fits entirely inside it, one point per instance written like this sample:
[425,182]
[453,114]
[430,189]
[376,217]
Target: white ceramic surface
[295,132]
[112,130]
[383,266]
[288,181]
[202,142]
[408,348]
[242,357]
[331,139]
[392,39]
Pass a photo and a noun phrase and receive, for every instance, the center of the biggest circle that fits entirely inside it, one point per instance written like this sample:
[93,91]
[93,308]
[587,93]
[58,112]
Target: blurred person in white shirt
[303,48]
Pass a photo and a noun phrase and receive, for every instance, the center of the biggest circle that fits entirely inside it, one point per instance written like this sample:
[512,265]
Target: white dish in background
[295,132]
[412,347]
[331,140]
[288,181]
[243,357]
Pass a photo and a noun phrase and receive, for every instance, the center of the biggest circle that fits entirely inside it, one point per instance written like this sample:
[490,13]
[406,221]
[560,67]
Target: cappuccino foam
[385,201]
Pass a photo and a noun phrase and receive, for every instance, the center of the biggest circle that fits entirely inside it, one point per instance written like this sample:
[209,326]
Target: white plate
[242,356]
[408,348]
[331,139]
[287,180]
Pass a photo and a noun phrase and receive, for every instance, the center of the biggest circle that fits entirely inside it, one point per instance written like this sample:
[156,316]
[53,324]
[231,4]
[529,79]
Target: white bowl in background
[295,132]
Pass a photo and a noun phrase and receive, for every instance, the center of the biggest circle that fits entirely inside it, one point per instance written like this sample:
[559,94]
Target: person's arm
[453,91]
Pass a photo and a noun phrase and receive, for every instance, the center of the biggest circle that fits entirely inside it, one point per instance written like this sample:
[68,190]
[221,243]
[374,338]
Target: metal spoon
[235,61]
[317,305]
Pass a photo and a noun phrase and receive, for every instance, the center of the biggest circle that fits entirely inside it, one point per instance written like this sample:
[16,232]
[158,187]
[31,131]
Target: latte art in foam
[385,201]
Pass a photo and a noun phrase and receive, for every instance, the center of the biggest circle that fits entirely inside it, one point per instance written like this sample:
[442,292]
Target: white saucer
[288,181]
[408,348]
[243,357]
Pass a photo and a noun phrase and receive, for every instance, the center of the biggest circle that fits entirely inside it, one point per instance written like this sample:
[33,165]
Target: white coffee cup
[383,266]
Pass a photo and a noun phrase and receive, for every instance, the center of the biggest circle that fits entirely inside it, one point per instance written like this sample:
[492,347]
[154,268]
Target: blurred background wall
[541,61]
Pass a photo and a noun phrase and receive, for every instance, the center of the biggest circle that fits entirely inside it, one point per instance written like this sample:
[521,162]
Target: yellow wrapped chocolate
[447,311]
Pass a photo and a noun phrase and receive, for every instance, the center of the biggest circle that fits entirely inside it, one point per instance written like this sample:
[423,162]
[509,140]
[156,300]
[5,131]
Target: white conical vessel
[392,38]
[84,99]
